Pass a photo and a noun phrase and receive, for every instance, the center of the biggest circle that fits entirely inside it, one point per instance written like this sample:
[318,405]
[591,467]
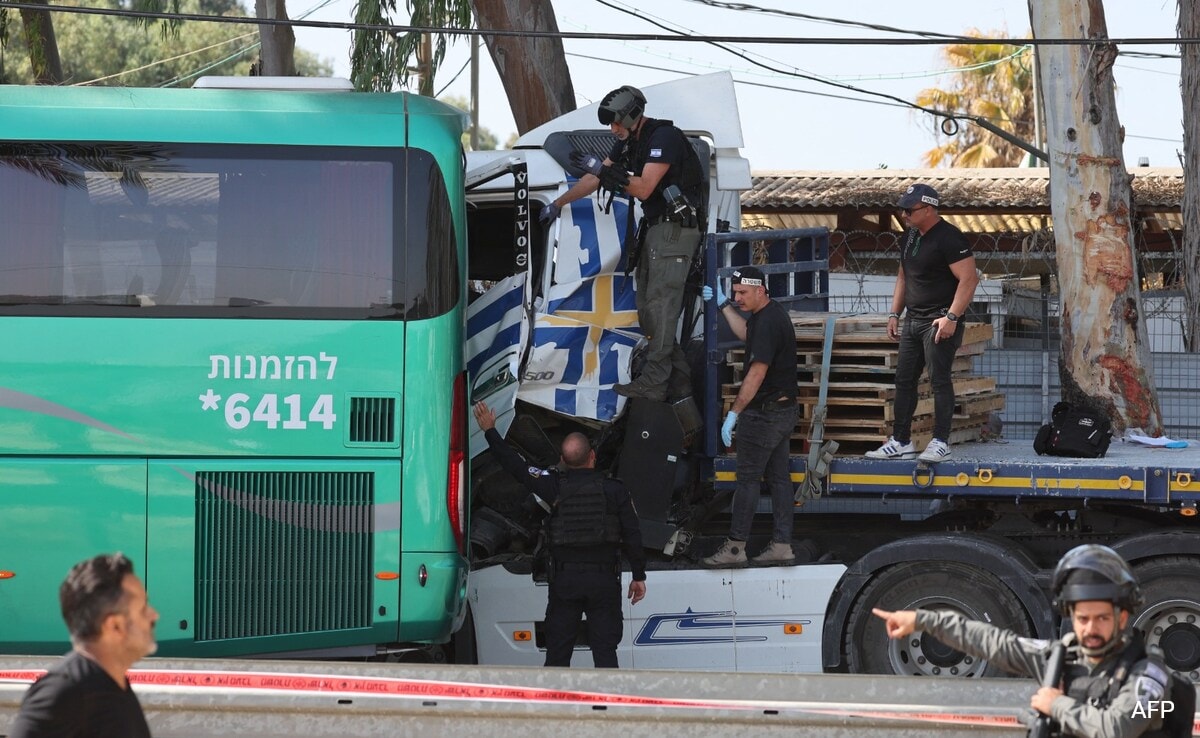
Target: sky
[797,124]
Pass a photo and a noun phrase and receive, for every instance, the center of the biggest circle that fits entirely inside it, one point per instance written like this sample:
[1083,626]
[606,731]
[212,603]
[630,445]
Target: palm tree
[994,81]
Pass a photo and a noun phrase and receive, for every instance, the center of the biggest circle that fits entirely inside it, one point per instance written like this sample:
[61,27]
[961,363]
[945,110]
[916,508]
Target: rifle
[1054,669]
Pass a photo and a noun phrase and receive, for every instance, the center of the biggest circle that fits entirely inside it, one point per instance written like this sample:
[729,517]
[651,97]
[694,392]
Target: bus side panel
[428,539]
[58,512]
[192,387]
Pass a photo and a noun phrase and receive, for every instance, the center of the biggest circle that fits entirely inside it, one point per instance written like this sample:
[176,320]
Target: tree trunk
[533,70]
[43,46]
[1105,362]
[277,54]
[1189,86]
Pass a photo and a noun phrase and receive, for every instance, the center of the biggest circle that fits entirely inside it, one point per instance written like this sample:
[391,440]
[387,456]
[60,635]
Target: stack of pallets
[861,394]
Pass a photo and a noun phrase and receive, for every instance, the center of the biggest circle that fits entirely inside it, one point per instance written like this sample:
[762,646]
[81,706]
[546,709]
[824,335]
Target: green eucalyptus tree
[533,71]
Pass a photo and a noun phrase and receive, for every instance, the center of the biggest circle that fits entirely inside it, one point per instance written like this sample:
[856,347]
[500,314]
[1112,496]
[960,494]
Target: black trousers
[918,350]
[574,592]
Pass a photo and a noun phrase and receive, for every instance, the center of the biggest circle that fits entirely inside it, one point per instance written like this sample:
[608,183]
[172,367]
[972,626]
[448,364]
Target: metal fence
[1022,306]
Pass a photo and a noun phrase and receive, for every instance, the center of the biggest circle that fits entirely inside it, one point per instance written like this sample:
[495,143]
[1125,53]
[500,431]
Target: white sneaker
[937,450]
[893,449]
[776,553]
[731,553]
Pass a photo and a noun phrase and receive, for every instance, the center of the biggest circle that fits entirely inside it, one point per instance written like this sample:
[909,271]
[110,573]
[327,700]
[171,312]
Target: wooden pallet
[860,391]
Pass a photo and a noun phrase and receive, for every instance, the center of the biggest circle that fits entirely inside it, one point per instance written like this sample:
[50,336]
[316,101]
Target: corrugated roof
[987,190]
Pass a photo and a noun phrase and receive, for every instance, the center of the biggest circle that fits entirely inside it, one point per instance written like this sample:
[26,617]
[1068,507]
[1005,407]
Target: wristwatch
[951,317]
[725,304]
[894,315]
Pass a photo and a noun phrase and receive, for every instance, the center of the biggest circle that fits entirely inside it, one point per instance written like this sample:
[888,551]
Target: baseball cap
[750,276]
[916,194]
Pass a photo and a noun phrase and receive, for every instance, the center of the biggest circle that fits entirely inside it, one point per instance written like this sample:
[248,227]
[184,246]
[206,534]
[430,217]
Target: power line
[747,7]
[743,82]
[643,15]
[505,33]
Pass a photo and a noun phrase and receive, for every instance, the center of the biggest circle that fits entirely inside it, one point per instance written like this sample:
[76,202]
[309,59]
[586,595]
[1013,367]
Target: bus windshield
[206,229]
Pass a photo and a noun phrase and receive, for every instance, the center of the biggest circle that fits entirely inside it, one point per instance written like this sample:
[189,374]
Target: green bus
[232,326]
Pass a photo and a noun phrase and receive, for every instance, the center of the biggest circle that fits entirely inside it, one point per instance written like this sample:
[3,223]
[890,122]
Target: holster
[639,242]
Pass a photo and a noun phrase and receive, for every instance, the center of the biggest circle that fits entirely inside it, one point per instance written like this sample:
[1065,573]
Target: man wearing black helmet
[653,161]
[1111,686]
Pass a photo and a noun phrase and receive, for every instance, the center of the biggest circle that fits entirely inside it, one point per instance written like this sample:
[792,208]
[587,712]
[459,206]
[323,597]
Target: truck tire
[1170,615]
[932,585]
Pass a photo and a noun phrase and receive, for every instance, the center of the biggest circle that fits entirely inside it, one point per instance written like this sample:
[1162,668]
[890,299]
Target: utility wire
[741,81]
[684,29]
[508,33]
[747,7]
[950,119]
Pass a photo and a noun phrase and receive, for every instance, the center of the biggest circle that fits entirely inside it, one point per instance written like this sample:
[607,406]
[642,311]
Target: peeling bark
[1189,87]
[533,70]
[1105,363]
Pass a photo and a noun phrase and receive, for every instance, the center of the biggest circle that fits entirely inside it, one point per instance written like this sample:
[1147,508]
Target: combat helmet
[623,106]
[1094,572]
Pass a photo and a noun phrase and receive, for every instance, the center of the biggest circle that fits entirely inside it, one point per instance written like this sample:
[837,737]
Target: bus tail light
[456,493]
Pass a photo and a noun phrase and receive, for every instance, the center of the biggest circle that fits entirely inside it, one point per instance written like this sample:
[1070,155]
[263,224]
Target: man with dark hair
[653,161]
[1112,684]
[591,519]
[766,410]
[935,283]
[111,624]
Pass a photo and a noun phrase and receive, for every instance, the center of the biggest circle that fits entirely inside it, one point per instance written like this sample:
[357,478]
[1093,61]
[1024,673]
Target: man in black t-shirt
[87,694]
[935,284]
[765,413]
[648,157]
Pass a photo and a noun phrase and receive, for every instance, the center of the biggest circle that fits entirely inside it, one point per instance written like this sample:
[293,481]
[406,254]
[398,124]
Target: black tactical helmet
[1094,572]
[623,105]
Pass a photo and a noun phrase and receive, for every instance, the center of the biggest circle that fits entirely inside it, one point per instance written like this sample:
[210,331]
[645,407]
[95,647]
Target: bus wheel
[1170,616]
[931,585]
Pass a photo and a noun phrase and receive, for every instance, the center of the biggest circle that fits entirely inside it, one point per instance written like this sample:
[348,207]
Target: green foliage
[382,60]
[116,51]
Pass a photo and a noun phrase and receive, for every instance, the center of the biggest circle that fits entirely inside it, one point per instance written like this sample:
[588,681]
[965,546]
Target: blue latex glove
[727,428]
[548,214]
[707,293]
[589,163]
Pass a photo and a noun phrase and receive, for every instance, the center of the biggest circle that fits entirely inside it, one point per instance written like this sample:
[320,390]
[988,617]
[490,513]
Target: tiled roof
[964,190]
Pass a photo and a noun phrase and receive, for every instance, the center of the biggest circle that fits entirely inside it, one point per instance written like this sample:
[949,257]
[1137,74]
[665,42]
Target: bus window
[193,229]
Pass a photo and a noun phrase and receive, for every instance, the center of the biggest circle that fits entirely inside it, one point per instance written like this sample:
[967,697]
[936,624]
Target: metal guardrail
[276,698]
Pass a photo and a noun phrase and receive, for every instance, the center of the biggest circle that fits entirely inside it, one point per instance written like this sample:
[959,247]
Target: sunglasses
[910,211]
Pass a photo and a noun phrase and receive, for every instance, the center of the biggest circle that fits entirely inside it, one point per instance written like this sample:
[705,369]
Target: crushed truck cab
[553,326]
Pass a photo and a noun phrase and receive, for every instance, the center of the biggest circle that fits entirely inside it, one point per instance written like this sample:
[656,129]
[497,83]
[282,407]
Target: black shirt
[544,483]
[78,699]
[664,146]
[929,285]
[771,339]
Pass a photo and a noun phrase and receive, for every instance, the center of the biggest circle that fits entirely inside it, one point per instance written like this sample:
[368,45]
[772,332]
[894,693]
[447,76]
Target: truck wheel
[932,585]
[1170,616]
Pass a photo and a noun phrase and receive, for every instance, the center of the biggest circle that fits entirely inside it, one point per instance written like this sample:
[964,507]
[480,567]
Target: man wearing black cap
[765,412]
[935,284]
[668,180]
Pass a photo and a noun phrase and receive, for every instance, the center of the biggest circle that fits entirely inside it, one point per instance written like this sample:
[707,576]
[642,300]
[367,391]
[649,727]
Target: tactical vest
[690,179]
[581,516]
[1099,689]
